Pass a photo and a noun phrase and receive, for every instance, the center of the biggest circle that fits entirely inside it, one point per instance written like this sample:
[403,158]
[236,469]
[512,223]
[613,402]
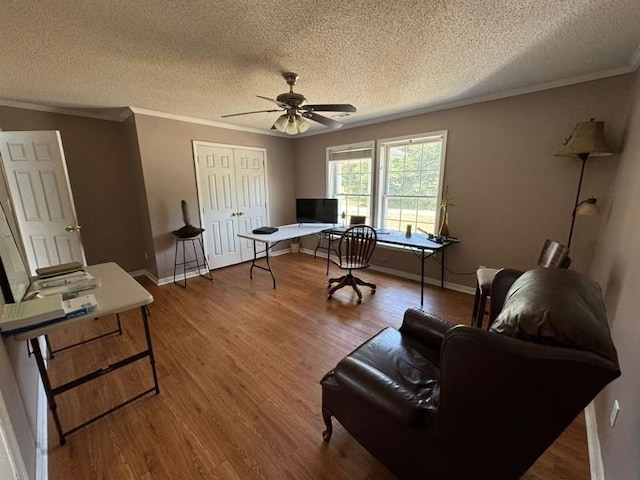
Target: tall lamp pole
[587,139]
[583,157]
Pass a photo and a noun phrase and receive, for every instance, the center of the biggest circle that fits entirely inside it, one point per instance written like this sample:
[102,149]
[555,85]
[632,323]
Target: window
[411,182]
[350,180]
[407,173]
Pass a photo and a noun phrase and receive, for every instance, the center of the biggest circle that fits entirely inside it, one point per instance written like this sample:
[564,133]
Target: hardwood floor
[239,366]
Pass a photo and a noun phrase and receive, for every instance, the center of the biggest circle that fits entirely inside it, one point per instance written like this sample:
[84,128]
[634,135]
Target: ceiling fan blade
[327,122]
[328,107]
[247,113]
[280,104]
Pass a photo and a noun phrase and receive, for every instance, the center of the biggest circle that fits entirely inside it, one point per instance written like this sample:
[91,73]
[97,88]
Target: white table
[286,232]
[117,293]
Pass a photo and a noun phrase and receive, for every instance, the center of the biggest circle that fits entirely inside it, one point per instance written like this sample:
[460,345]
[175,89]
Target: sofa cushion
[392,372]
[557,307]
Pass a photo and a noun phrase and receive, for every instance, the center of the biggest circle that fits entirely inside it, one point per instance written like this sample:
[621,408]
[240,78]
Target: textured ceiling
[205,58]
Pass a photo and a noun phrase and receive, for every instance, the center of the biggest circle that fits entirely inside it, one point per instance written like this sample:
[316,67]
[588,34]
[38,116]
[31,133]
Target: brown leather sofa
[438,401]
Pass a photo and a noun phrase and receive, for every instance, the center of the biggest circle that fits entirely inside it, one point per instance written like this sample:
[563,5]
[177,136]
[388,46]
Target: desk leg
[442,269]
[268,267]
[35,346]
[422,279]
[253,262]
[328,255]
[152,359]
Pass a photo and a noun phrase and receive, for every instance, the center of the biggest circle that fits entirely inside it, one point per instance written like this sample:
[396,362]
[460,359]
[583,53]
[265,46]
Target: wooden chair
[355,247]
[553,255]
[330,239]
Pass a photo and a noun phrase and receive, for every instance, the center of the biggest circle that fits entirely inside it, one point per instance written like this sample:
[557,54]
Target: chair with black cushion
[411,399]
[354,250]
[552,255]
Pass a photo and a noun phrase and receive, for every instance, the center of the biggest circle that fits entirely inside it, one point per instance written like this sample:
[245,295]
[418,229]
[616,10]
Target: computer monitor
[317,210]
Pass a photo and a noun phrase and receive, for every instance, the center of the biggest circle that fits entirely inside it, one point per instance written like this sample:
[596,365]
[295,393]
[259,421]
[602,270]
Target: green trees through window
[400,186]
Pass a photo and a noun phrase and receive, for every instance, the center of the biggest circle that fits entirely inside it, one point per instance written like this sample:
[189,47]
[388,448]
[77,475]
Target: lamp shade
[281,123]
[586,138]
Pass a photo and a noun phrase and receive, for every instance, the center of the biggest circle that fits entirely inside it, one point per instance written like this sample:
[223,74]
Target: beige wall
[142,206]
[101,176]
[616,267]
[510,192]
[166,153]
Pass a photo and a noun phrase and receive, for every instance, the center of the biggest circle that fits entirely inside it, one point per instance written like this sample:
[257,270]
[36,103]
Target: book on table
[31,312]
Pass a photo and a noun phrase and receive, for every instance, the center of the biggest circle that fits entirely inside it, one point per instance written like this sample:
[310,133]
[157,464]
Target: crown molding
[59,110]
[631,67]
[613,72]
[202,121]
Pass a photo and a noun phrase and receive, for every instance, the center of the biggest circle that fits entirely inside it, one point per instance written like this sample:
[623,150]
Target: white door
[38,183]
[232,194]
[251,195]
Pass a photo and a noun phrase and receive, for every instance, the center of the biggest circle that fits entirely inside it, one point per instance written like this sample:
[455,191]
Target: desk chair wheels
[352,281]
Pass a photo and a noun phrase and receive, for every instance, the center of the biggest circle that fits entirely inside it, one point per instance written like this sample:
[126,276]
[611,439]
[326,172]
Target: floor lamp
[586,140]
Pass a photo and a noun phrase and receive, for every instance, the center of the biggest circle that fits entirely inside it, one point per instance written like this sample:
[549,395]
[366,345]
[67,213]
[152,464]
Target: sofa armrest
[425,327]
[376,388]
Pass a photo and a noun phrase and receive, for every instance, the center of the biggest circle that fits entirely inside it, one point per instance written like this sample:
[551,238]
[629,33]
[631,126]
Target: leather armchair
[440,401]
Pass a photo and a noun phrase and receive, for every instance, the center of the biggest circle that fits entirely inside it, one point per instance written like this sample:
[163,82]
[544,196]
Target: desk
[416,242]
[117,293]
[270,240]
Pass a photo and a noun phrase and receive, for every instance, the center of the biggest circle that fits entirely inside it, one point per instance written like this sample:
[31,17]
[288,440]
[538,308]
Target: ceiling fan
[297,110]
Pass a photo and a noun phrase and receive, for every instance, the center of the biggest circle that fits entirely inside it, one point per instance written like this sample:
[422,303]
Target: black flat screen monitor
[317,210]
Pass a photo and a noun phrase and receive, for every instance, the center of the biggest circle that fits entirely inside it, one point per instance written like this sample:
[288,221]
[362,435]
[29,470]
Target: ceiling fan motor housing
[292,99]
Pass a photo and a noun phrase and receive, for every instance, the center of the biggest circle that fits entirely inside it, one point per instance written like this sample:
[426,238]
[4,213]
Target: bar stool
[196,242]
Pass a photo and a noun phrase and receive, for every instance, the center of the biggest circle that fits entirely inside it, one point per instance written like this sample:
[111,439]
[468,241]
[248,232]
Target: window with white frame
[350,180]
[412,170]
[407,174]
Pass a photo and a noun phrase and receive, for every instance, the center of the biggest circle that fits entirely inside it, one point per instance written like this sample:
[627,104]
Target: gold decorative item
[444,206]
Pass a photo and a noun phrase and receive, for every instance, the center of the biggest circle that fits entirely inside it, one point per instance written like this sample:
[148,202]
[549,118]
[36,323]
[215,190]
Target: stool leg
[481,307]
[476,303]
[208,273]
[184,266]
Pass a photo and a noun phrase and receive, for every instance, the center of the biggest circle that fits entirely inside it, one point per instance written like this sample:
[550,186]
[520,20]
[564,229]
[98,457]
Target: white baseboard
[593,441]
[410,276]
[180,277]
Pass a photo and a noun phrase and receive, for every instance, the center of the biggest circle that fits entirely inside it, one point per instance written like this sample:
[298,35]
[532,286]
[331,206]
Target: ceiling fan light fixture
[281,123]
[303,125]
[292,127]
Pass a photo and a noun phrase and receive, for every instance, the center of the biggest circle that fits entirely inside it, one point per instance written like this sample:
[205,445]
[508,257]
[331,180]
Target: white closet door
[233,199]
[217,191]
[251,195]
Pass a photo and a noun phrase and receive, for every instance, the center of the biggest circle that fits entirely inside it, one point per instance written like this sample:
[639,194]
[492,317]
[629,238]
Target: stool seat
[485,276]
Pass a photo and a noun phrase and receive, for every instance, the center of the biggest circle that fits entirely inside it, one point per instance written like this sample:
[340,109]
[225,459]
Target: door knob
[71,228]
[233,214]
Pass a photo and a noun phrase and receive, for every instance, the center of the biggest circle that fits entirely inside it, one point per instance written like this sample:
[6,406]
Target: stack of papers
[26,315]
[61,284]
[31,312]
